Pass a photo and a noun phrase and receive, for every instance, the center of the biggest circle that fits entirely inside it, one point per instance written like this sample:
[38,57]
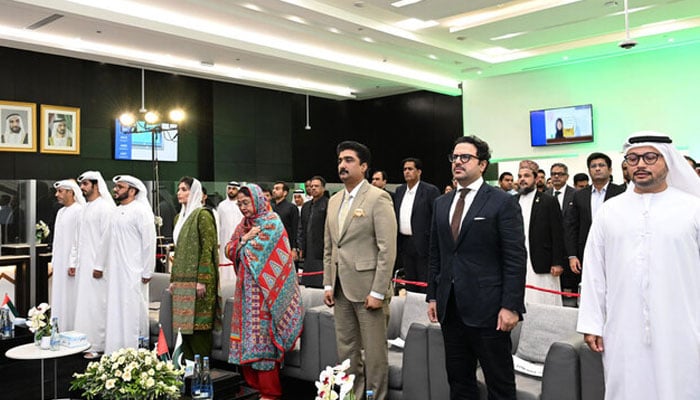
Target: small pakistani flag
[177,351]
[6,302]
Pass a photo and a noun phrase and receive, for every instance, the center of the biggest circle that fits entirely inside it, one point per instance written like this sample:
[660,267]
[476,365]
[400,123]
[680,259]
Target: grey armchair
[408,367]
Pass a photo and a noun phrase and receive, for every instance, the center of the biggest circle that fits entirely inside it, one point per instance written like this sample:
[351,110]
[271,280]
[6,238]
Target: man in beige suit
[358,259]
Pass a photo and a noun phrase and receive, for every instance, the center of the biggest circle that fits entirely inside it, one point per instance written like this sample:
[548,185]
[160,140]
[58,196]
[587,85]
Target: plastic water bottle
[369,394]
[6,323]
[197,377]
[55,335]
[207,387]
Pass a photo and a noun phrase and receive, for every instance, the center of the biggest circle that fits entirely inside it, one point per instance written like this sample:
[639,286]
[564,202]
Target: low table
[33,352]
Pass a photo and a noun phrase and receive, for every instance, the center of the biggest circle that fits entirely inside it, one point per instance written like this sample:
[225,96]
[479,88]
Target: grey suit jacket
[362,256]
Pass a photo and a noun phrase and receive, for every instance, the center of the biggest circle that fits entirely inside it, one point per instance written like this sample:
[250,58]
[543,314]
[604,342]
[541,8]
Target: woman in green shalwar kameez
[194,275]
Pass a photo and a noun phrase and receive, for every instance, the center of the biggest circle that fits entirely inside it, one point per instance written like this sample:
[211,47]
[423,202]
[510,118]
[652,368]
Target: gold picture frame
[60,130]
[17,132]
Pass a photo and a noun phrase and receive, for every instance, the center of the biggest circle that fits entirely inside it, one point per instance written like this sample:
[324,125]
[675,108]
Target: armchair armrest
[561,378]
[592,378]
[416,364]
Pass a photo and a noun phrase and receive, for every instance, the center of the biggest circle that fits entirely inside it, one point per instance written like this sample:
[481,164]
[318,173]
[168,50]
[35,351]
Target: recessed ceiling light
[403,3]
[414,24]
[508,36]
[432,56]
[368,39]
[670,40]
[502,12]
[296,19]
[565,58]
[333,30]
[252,7]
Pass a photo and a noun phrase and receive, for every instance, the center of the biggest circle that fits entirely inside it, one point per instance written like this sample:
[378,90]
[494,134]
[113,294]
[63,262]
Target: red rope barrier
[414,283]
[226,265]
[309,273]
[567,294]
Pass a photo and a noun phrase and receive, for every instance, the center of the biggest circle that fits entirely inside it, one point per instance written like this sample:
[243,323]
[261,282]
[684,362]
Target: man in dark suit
[477,275]
[288,212]
[310,235]
[580,212]
[545,237]
[414,211]
[562,192]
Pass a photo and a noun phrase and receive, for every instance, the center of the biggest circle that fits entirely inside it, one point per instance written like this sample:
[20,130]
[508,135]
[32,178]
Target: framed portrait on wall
[60,130]
[17,132]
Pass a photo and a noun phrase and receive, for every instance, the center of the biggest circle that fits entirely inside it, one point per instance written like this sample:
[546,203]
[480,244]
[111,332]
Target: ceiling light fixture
[508,36]
[499,13]
[308,124]
[403,3]
[628,43]
[296,19]
[414,24]
[368,39]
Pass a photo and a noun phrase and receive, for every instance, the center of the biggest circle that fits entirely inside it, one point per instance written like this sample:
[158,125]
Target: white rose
[127,376]
[110,383]
[150,382]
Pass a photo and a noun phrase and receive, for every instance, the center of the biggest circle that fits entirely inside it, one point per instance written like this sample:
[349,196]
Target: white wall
[653,90]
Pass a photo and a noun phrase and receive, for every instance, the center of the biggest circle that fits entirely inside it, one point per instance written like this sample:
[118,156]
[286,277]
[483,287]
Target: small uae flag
[162,347]
[177,351]
[6,302]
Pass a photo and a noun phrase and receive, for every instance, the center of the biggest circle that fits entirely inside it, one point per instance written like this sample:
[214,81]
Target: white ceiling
[343,48]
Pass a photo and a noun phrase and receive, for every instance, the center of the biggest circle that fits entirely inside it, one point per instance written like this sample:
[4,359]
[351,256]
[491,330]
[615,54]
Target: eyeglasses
[650,158]
[465,158]
[559,174]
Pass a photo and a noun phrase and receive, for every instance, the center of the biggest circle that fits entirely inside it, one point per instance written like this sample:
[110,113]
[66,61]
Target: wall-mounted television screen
[561,125]
[137,146]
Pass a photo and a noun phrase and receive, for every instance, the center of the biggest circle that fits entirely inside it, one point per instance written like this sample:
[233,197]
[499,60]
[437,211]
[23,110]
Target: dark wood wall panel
[231,132]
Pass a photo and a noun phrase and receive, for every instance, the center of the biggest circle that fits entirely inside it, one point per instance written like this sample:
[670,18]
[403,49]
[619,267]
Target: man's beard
[231,196]
[16,129]
[525,190]
[122,197]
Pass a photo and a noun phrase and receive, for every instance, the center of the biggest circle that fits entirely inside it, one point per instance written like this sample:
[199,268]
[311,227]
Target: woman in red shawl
[267,312]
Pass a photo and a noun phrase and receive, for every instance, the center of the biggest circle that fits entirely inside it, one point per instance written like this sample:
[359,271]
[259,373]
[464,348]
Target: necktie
[457,216]
[556,197]
[343,213]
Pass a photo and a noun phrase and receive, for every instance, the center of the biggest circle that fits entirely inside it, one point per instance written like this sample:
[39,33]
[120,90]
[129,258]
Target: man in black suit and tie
[579,215]
[560,190]
[477,275]
[414,210]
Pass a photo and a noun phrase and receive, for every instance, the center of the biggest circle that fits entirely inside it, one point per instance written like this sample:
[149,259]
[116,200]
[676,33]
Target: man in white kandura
[64,257]
[91,307]
[639,299]
[128,261]
[229,218]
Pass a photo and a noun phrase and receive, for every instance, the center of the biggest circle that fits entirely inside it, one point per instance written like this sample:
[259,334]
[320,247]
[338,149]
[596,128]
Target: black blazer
[486,265]
[568,197]
[578,219]
[421,215]
[289,214]
[310,234]
[546,234]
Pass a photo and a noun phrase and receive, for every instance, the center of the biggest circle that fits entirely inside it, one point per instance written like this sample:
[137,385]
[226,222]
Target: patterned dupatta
[268,260]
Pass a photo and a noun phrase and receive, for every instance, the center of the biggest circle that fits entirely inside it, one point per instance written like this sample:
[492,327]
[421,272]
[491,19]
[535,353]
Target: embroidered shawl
[268,312]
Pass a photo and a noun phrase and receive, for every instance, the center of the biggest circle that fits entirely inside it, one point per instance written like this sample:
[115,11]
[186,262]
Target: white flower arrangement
[42,230]
[334,384]
[129,373]
[38,320]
